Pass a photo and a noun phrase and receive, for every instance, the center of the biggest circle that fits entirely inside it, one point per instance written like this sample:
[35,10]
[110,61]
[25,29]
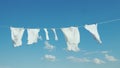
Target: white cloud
[50,57]
[98,61]
[75,59]
[110,58]
[48,46]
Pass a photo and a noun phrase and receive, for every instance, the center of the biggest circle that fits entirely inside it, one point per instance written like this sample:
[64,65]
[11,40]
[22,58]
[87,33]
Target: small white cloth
[54,31]
[93,30]
[33,35]
[72,36]
[46,32]
[16,35]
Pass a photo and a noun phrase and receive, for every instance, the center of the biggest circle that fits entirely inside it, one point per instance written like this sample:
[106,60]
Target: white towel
[93,30]
[16,35]
[72,36]
[33,35]
[46,32]
[54,31]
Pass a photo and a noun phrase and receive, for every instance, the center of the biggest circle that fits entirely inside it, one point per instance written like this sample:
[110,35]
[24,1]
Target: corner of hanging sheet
[100,42]
[96,24]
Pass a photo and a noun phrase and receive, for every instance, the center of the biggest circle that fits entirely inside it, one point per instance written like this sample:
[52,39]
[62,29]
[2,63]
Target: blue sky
[60,13]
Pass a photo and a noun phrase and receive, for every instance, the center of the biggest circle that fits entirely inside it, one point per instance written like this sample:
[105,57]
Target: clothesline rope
[72,34]
[104,22]
[109,21]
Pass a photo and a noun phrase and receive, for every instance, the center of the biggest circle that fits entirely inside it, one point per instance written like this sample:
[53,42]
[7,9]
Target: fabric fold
[46,33]
[55,34]
[33,35]
[94,31]
[16,35]
[72,36]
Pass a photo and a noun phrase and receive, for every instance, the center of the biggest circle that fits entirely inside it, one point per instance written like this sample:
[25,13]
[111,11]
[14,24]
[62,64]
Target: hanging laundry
[93,30]
[54,31]
[72,36]
[33,35]
[16,35]
[46,32]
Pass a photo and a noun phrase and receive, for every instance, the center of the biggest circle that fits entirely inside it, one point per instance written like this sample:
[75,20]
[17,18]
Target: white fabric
[16,35]
[93,30]
[72,36]
[54,31]
[46,32]
[33,35]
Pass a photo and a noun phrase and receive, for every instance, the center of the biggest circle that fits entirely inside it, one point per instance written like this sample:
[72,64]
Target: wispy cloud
[98,61]
[48,46]
[104,52]
[110,58]
[85,60]
[49,57]
[90,53]
[75,59]
[5,66]
[96,52]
